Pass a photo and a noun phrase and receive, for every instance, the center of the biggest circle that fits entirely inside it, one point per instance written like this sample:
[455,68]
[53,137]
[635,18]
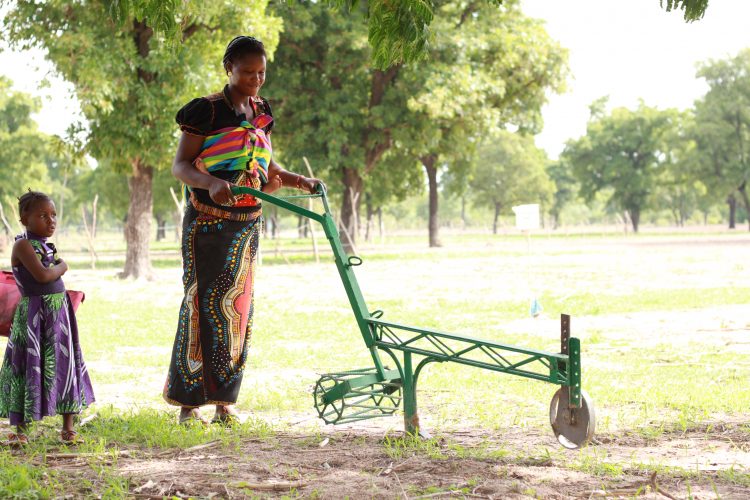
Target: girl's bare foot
[16,440]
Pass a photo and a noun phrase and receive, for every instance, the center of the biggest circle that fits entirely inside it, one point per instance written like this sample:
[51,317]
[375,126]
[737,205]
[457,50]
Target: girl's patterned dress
[43,372]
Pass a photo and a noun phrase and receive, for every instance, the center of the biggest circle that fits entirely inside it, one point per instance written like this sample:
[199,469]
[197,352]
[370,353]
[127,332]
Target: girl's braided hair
[30,198]
[241,46]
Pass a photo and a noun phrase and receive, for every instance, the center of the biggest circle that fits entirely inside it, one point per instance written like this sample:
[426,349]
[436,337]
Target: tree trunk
[675,217]
[138,225]
[380,223]
[463,212]
[431,169]
[274,225]
[177,214]
[302,227]
[743,191]
[161,227]
[635,218]
[61,211]
[497,216]
[370,213]
[353,186]
[732,202]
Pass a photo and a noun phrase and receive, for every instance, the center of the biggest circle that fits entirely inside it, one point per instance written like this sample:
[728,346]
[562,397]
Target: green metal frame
[368,387]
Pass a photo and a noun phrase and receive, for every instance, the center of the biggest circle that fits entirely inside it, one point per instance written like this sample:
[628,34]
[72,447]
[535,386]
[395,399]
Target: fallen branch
[455,493]
[203,446]
[87,420]
[284,486]
[62,456]
[639,488]
[403,492]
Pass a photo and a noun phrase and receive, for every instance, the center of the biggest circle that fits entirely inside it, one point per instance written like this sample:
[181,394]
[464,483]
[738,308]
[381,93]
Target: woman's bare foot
[225,415]
[188,414]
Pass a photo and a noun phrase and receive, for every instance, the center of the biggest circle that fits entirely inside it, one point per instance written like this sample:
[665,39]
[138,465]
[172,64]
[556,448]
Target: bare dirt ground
[353,463]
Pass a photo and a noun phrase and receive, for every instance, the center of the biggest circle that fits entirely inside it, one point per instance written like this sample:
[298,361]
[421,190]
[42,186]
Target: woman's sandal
[71,437]
[17,440]
[224,417]
[192,415]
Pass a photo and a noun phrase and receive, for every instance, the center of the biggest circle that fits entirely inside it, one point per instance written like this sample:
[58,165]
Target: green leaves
[398,31]
[623,154]
[510,170]
[693,9]
[722,130]
[160,15]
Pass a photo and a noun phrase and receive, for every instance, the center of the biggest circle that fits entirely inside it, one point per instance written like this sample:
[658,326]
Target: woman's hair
[243,46]
[29,199]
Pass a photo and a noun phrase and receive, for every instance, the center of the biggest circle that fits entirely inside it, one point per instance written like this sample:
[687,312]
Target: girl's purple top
[47,254]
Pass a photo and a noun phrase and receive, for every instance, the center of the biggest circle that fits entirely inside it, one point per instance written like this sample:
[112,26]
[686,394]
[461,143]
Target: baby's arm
[274,184]
[24,253]
[278,177]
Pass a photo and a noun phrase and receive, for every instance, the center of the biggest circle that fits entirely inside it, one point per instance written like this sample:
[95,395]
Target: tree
[623,151]
[130,83]
[165,210]
[488,68]
[399,32]
[680,186]
[378,123]
[330,105]
[510,170]
[723,127]
[566,188]
[692,9]
[24,151]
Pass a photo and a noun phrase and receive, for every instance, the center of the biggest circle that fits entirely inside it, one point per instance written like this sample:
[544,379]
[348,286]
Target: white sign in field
[527,216]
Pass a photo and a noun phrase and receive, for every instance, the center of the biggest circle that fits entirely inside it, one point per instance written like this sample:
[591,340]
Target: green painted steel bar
[556,364]
[411,417]
[343,263]
[452,336]
[349,385]
[281,202]
[574,372]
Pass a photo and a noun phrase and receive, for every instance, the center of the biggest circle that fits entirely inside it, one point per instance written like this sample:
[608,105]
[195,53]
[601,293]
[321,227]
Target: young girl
[43,372]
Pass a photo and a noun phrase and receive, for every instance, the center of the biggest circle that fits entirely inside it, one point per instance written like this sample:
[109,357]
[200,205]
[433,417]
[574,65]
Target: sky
[625,49]
[630,50]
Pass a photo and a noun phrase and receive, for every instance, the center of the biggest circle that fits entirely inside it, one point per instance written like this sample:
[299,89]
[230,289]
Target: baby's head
[38,214]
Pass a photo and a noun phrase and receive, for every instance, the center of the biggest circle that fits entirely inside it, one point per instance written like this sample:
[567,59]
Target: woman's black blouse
[204,116]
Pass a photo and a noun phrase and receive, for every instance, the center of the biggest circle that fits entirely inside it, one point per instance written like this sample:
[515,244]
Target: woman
[225,141]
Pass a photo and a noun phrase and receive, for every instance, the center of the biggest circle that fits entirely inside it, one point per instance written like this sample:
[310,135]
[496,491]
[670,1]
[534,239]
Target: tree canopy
[723,125]
[398,32]
[510,170]
[622,152]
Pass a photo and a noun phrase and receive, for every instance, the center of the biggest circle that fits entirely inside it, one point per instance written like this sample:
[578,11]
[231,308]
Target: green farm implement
[378,391]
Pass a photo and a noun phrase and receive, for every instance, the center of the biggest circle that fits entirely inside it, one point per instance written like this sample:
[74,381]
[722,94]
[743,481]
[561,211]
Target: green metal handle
[281,202]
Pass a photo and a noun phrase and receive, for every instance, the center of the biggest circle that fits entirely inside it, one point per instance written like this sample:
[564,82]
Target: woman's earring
[229,73]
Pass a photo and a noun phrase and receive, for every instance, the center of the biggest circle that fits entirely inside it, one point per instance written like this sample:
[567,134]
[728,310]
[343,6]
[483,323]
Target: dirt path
[359,463]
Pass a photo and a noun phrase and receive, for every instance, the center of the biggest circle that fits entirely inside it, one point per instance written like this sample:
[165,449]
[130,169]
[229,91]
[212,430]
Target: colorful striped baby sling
[246,147]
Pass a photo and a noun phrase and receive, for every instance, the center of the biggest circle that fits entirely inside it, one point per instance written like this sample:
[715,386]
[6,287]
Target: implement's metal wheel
[573,427]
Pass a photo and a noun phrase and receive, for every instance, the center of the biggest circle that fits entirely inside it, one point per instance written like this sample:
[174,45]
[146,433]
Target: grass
[644,377]
[304,327]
